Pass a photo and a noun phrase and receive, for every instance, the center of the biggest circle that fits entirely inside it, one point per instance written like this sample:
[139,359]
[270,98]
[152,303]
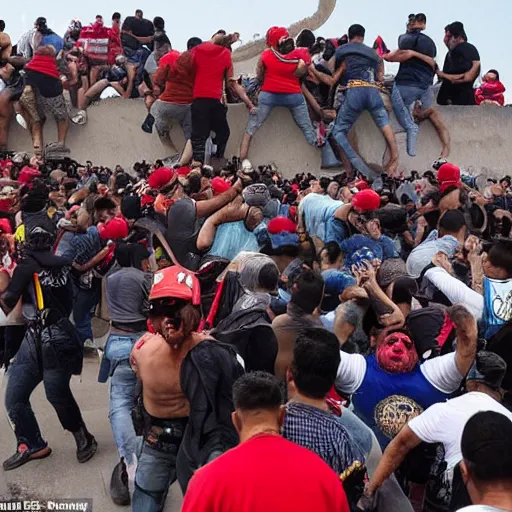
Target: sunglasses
[170,309]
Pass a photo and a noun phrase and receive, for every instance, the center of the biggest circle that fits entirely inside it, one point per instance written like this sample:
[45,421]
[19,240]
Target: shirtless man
[5,42]
[159,361]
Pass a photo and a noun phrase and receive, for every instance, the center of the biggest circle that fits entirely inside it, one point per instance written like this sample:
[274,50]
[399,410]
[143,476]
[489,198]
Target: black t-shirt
[458,61]
[138,27]
[415,71]
[54,276]
[130,24]
[182,231]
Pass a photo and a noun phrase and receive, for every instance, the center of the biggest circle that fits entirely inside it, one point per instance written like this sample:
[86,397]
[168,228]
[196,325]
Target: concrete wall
[481,139]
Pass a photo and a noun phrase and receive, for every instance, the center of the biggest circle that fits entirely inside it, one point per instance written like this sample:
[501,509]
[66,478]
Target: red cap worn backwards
[366,201]
[176,283]
[159,178]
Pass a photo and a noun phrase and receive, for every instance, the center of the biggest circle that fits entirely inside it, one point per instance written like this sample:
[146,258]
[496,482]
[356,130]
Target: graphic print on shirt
[394,412]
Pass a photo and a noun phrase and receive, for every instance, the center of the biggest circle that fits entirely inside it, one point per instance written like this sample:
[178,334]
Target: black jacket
[207,376]
[250,332]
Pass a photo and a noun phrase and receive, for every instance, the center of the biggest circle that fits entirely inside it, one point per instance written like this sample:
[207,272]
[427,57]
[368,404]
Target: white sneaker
[247,166]
[21,121]
[80,117]
[88,343]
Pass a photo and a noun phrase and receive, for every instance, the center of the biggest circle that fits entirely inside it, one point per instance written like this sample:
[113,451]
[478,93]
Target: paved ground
[60,475]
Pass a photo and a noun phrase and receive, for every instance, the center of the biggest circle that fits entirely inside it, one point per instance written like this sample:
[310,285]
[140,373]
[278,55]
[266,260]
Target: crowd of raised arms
[314,343]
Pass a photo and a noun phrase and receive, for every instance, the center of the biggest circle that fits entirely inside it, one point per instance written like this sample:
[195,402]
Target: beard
[391,364]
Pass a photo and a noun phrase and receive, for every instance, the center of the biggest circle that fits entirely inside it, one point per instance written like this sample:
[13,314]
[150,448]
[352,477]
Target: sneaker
[89,344]
[80,117]
[412,135]
[119,488]
[247,167]
[56,146]
[147,125]
[25,454]
[21,121]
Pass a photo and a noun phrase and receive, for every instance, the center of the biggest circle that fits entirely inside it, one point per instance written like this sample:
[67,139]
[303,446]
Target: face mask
[397,354]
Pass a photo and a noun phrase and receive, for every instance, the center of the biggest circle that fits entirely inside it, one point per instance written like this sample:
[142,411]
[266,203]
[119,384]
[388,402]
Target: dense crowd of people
[325,83]
[349,332]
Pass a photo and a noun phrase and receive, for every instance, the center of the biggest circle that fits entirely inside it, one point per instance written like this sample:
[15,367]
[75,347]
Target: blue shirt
[317,210]
[362,61]
[386,401]
[421,256]
[231,239]
[54,40]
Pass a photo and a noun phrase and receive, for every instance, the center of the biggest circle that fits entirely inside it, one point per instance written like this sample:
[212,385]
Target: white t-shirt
[456,291]
[445,422]
[480,508]
[441,372]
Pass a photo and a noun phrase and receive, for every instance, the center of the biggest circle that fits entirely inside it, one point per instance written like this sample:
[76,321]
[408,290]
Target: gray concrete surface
[60,475]
[481,139]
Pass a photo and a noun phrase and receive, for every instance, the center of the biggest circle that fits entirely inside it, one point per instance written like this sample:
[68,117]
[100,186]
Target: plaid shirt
[321,433]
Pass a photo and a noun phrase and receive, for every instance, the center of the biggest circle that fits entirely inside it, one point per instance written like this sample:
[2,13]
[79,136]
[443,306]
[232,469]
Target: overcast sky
[380,17]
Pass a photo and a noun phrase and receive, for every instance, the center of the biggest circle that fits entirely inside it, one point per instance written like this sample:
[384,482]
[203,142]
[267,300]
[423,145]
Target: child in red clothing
[491,91]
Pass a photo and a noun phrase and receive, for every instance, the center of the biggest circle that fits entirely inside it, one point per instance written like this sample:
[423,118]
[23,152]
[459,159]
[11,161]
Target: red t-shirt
[169,59]
[300,53]
[279,73]
[266,473]
[211,62]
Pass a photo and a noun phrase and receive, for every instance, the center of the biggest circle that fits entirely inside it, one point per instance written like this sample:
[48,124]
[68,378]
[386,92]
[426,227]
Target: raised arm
[389,314]
[467,337]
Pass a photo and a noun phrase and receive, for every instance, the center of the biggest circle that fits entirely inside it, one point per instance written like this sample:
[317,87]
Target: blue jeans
[116,365]
[85,300]
[296,103]
[359,99]
[335,230]
[157,467]
[403,98]
[24,375]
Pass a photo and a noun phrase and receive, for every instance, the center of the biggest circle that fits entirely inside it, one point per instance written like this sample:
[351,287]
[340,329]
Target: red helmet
[176,283]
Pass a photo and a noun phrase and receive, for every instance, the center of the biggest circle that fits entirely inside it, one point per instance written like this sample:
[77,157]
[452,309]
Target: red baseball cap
[5,227]
[219,185]
[114,229]
[159,178]
[280,225]
[361,185]
[27,174]
[176,283]
[366,201]
[184,171]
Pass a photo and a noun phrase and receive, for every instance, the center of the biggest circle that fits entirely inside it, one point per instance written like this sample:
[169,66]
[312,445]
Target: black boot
[119,490]
[148,123]
[86,445]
